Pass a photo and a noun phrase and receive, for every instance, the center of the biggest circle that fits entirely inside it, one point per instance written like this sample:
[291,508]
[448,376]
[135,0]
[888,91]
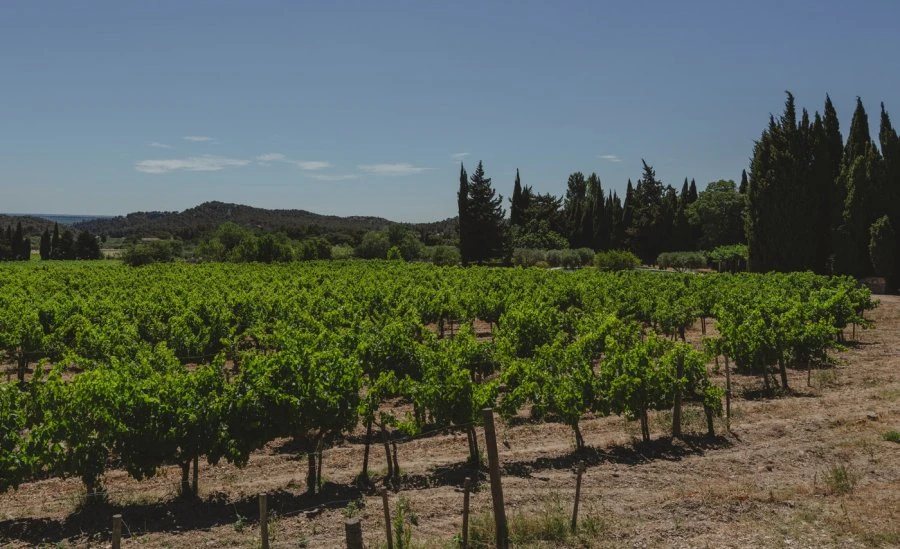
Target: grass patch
[548,527]
[891,436]
[824,378]
[840,480]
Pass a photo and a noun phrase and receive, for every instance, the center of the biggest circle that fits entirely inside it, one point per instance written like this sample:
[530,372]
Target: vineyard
[116,371]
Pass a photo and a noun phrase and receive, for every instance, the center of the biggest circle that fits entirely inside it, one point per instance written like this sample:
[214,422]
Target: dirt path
[810,470]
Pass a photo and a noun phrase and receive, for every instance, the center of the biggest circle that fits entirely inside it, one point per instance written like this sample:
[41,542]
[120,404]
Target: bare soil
[808,469]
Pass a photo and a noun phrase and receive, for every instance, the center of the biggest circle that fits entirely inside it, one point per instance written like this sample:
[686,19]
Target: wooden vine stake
[387,519]
[579,472]
[676,410]
[353,533]
[727,395]
[467,486]
[117,532]
[264,520]
[490,437]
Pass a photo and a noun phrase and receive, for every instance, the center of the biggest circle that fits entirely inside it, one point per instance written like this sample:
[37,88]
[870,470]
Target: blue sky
[367,107]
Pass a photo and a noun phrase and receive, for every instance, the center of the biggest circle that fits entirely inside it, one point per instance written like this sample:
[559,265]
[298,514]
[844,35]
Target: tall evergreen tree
[598,225]
[890,151]
[462,198]
[668,239]
[55,243]
[614,215]
[573,208]
[742,188]
[825,144]
[627,216]
[87,246]
[45,244]
[486,226]
[682,229]
[860,182]
[16,243]
[646,231]
[829,156]
[517,207]
[66,245]
[780,223]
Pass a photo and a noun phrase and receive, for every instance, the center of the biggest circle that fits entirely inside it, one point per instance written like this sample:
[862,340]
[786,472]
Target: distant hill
[194,222]
[30,225]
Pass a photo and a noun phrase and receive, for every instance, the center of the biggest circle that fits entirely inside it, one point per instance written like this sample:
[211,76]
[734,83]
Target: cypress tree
[890,151]
[16,242]
[744,182]
[24,251]
[67,245]
[614,215]
[648,216]
[682,228]
[485,221]
[573,209]
[627,216]
[516,206]
[462,197]
[829,156]
[86,246]
[599,217]
[825,144]
[859,138]
[782,203]
[55,242]
[860,181]
[45,244]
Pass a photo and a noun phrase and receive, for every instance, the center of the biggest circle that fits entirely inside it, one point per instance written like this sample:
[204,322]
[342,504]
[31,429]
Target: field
[806,467]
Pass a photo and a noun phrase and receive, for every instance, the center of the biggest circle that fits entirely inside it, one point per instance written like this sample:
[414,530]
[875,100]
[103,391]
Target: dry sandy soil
[806,470]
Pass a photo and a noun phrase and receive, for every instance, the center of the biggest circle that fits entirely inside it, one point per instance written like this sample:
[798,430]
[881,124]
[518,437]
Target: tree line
[819,203]
[811,201]
[652,218]
[15,245]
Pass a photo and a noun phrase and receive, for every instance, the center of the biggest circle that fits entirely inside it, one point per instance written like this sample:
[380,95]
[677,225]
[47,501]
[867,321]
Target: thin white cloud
[159,145]
[270,157]
[309,165]
[197,138]
[458,156]
[403,168]
[610,157]
[332,177]
[205,163]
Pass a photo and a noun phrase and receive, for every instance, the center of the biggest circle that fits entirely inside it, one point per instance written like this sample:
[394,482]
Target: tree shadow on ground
[666,449]
[452,474]
[93,524]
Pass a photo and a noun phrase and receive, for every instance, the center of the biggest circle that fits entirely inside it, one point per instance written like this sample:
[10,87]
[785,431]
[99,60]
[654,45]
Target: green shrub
[314,248]
[394,254]
[585,256]
[374,245]
[570,259]
[616,260]
[554,258]
[152,251]
[341,251]
[681,260]
[732,258]
[445,256]
[528,257]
